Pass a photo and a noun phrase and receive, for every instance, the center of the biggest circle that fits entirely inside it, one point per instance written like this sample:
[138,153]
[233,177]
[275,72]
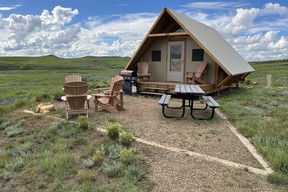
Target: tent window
[197,55]
[156,55]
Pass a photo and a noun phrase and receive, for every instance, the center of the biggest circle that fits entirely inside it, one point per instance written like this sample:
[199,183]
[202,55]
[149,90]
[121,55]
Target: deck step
[150,93]
[156,89]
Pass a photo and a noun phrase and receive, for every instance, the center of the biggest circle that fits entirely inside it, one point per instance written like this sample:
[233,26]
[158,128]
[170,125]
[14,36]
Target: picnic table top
[189,89]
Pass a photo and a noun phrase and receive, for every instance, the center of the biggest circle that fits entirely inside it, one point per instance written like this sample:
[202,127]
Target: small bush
[126,138]
[54,127]
[5,176]
[59,164]
[88,163]
[114,151]
[113,130]
[13,131]
[15,165]
[79,141]
[98,158]
[128,156]
[97,84]
[5,123]
[104,149]
[43,97]
[30,174]
[85,176]
[133,174]
[68,129]
[83,122]
[25,147]
[112,170]
[278,179]
[3,160]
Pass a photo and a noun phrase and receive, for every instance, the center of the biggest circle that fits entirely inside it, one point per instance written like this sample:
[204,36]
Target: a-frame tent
[225,65]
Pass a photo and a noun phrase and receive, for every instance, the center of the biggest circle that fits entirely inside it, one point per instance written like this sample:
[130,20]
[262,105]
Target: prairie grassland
[260,112]
[29,79]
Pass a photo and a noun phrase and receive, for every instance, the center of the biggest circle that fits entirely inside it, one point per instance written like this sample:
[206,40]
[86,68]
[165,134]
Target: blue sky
[258,30]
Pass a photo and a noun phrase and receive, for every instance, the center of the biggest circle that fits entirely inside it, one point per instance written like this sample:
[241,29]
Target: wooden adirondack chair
[111,100]
[143,71]
[73,78]
[199,76]
[76,98]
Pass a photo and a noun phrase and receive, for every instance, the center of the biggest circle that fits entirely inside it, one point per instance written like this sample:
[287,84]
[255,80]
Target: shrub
[126,138]
[278,179]
[5,176]
[43,97]
[112,170]
[114,151]
[83,122]
[25,147]
[133,174]
[113,130]
[15,165]
[67,129]
[88,163]
[79,141]
[128,156]
[13,131]
[29,174]
[85,176]
[98,158]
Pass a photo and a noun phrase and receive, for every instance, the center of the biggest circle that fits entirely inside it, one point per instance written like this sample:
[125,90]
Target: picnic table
[188,94]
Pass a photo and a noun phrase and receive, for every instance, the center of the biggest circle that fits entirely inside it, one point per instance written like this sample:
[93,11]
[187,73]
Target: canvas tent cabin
[177,44]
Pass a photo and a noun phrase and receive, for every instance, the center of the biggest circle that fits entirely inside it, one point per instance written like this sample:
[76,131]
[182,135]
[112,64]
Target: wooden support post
[269,80]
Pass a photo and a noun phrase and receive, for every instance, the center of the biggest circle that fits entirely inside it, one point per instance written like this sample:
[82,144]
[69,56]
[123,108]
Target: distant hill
[282,61]
[52,62]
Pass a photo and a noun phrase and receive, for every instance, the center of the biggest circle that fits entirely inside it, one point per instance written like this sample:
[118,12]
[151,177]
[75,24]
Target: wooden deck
[158,88]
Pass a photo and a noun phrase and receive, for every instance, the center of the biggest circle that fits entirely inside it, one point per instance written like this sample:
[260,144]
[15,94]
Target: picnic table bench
[164,102]
[211,103]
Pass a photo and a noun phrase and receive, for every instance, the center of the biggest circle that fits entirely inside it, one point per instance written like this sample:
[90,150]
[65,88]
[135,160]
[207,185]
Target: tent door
[175,61]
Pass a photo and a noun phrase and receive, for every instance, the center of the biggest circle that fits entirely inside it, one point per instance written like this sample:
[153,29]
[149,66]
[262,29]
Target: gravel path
[181,171]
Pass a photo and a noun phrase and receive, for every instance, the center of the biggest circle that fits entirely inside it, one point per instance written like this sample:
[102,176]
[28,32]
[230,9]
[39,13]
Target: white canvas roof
[214,44]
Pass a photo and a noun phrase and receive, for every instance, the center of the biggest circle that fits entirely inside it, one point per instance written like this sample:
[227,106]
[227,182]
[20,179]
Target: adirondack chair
[143,71]
[76,98]
[73,78]
[199,76]
[111,100]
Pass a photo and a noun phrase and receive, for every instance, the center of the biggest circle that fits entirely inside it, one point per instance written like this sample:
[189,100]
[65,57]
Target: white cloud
[38,34]
[274,8]
[282,43]
[214,5]
[253,32]
[116,35]
[49,33]
[9,8]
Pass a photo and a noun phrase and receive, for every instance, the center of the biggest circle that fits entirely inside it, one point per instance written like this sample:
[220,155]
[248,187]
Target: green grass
[260,113]
[25,80]
[51,158]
